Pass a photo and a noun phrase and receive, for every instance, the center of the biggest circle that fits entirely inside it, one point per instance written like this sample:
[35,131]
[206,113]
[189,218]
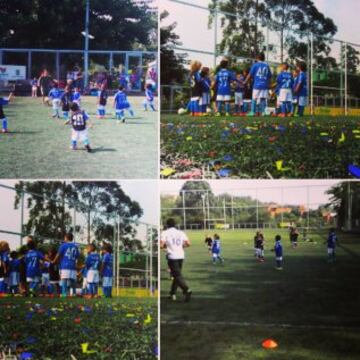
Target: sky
[145,192]
[194,33]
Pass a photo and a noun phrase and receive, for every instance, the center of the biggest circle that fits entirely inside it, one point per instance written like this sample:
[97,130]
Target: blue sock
[219,106]
[283,108]
[203,108]
[65,114]
[131,112]
[153,108]
[4,124]
[63,287]
[253,106]
[73,143]
[227,107]
[262,105]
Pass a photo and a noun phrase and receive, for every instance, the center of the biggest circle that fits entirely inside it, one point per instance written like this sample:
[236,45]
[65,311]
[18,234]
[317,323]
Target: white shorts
[67,274]
[303,100]
[33,279]
[239,98]
[45,279]
[279,258]
[205,99]
[260,94]
[331,251]
[101,107]
[92,276]
[223,97]
[34,88]
[79,135]
[107,281]
[84,283]
[56,104]
[14,279]
[285,95]
[148,102]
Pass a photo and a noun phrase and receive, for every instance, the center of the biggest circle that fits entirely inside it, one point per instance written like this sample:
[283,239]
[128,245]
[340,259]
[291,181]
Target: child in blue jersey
[121,104]
[149,98]
[278,253]
[106,270]
[34,87]
[76,97]
[4,101]
[216,250]
[92,264]
[195,88]
[55,97]
[102,96]
[260,73]
[239,94]
[67,257]
[33,262]
[14,273]
[78,120]
[285,84]
[205,98]
[4,265]
[331,245]
[301,91]
[66,99]
[223,80]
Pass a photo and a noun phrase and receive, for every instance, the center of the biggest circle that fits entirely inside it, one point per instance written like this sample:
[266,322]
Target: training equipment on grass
[269,344]
[182,111]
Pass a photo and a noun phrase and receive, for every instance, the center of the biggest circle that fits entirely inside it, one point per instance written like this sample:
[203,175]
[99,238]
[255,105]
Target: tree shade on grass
[310,308]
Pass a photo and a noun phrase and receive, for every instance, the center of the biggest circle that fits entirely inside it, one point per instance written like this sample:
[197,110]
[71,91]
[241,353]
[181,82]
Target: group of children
[214,246]
[31,271]
[253,85]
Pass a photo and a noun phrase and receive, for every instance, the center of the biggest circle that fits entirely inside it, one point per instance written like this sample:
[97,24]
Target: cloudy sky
[192,23]
[144,192]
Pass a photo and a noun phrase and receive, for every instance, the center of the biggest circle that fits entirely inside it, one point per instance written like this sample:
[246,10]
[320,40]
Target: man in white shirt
[174,241]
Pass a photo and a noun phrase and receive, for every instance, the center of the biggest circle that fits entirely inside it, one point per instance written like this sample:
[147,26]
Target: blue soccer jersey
[3,101]
[285,80]
[261,74]
[223,82]
[149,95]
[14,265]
[32,263]
[121,101]
[68,253]
[55,93]
[93,261]
[216,246]
[76,97]
[78,120]
[302,81]
[206,85]
[278,249]
[332,239]
[107,261]
[240,85]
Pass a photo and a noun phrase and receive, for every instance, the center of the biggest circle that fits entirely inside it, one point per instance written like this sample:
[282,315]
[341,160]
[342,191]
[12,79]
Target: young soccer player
[76,97]
[259,241]
[174,241]
[205,98]
[4,101]
[208,242]
[239,94]
[294,235]
[54,273]
[67,257]
[196,88]
[33,262]
[149,98]
[331,245]
[92,264]
[78,121]
[34,87]
[106,270]
[4,265]
[121,104]
[66,99]
[223,81]
[101,101]
[278,253]
[260,73]
[301,88]
[55,97]
[285,83]
[216,250]
[14,273]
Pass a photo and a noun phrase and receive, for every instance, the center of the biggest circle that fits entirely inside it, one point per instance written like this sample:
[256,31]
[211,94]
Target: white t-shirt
[174,240]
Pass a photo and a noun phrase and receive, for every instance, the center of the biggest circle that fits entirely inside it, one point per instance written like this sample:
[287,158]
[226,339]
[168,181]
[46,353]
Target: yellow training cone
[85,350]
[269,344]
[167,172]
[279,166]
[147,320]
[342,139]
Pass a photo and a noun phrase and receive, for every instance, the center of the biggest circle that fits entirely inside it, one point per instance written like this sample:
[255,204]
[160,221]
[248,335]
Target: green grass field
[122,328]
[311,308]
[241,147]
[39,146]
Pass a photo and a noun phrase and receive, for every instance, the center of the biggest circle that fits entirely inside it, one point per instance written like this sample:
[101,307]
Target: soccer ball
[182,111]
[208,111]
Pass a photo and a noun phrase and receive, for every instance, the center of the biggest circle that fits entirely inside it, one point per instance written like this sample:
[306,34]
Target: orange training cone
[269,344]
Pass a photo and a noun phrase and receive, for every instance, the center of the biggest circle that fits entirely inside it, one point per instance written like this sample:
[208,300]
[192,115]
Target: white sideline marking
[250,324]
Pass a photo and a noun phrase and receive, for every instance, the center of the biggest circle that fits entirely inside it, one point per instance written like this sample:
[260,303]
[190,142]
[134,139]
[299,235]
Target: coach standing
[174,241]
[45,83]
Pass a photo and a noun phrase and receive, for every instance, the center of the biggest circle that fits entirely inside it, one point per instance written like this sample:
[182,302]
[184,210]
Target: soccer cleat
[282,115]
[73,147]
[88,148]
[188,295]
[4,131]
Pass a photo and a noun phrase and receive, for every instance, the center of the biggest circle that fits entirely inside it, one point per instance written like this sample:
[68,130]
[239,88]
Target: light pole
[86,53]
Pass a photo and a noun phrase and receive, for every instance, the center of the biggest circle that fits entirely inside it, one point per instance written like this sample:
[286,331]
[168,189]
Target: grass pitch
[39,146]
[121,328]
[235,147]
[311,308]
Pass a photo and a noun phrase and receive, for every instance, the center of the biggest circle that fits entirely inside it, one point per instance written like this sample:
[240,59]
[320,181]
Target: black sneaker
[88,148]
[188,295]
